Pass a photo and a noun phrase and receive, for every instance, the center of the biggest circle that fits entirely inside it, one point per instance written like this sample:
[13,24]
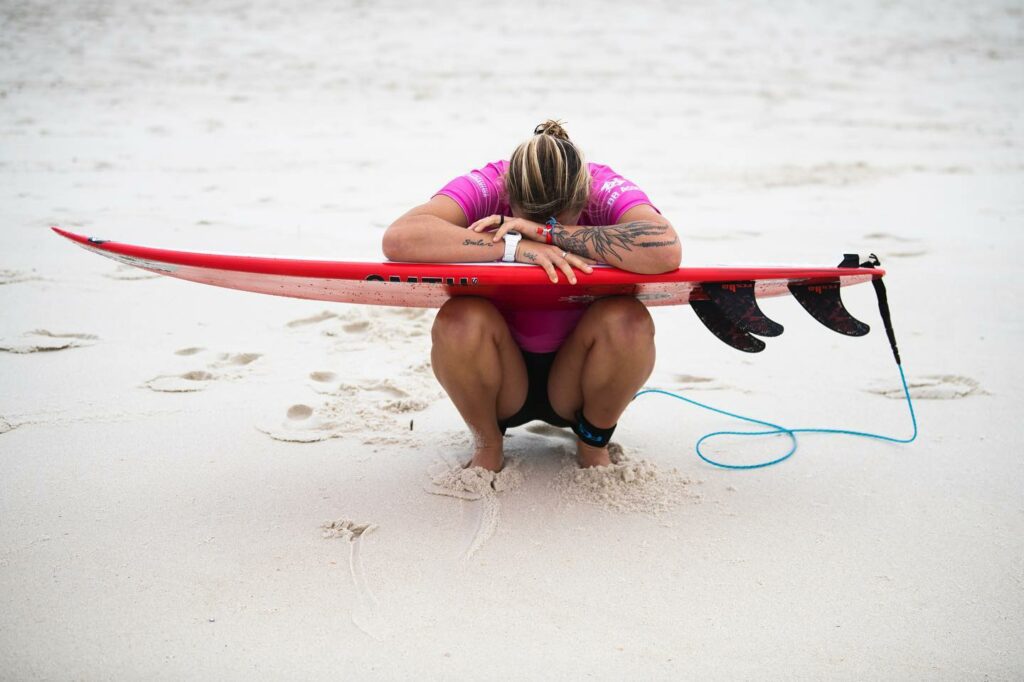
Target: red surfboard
[723,297]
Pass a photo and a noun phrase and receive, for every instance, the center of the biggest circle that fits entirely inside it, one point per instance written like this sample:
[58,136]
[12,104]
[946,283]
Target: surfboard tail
[731,313]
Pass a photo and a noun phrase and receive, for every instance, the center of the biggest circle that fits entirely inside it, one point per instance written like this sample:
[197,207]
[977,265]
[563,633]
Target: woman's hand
[552,259]
[502,224]
[548,256]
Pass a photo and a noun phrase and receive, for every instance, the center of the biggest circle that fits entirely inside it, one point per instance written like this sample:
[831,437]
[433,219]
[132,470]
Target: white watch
[511,242]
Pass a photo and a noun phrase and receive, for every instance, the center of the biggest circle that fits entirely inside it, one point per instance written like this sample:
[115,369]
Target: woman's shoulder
[499,167]
[488,174]
[479,192]
[604,180]
[599,170]
[611,195]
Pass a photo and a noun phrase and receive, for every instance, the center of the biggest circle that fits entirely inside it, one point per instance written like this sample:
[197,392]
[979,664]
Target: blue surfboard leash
[776,429]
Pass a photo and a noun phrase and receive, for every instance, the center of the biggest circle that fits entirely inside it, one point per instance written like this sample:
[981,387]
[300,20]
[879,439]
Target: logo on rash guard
[612,184]
[479,181]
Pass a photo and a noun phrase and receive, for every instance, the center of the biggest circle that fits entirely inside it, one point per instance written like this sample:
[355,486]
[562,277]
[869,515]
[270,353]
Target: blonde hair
[547,174]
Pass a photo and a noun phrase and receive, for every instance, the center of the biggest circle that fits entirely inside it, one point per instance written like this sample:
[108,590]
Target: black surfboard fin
[736,301]
[720,325]
[822,301]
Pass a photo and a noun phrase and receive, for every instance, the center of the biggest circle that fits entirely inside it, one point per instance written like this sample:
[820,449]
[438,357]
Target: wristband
[511,242]
[546,230]
[551,224]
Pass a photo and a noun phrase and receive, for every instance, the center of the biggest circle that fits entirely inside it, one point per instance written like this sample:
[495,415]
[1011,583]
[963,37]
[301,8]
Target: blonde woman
[575,369]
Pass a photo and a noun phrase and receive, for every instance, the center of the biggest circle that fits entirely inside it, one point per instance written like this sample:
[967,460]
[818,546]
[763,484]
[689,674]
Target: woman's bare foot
[487,457]
[590,456]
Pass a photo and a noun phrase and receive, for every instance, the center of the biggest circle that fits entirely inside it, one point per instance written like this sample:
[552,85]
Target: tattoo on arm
[470,242]
[530,255]
[610,240]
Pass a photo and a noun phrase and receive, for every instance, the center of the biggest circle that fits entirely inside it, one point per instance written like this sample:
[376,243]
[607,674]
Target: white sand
[628,484]
[168,451]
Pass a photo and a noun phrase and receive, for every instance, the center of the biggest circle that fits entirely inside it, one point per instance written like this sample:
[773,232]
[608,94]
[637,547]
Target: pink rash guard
[480,193]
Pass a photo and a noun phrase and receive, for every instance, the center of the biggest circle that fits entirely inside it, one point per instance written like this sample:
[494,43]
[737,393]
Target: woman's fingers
[501,231]
[485,223]
[563,265]
[550,269]
[580,262]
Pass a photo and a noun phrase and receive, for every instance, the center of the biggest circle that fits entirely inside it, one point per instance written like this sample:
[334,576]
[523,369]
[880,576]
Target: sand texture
[169,452]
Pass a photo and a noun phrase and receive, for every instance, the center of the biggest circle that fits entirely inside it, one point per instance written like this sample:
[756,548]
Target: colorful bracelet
[551,224]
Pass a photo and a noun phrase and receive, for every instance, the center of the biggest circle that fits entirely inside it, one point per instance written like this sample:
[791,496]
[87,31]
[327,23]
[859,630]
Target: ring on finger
[564,253]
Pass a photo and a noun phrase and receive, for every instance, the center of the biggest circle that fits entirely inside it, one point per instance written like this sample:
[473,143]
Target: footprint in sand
[934,387]
[188,382]
[414,397]
[906,254]
[827,174]
[373,409]
[6,426]
[219,366]
[319,317]
[313,423]
[725,235]
[690,382]
[911,247]
[303,424]
[327,386]
[41,340]
[411,391]
[15,276]
[885,236]
[356,327]
[236,359]
[299,412]
[387,326]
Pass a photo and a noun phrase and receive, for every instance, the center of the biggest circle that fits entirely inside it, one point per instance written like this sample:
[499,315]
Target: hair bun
[552,127]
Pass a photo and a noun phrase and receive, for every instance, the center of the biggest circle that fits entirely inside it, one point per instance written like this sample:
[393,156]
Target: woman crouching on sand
[575,369]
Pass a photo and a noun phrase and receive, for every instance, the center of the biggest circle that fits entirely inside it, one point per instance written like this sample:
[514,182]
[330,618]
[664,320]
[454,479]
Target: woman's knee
[465,321]
[624,321]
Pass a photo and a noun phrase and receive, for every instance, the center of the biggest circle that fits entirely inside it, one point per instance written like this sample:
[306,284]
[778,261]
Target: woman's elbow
[674,256]
[670,255]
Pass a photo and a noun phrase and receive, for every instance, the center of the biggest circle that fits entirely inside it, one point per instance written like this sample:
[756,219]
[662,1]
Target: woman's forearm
[643,246]
[426,238]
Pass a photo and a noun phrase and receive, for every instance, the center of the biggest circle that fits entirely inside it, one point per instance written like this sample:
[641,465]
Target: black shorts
[537,405]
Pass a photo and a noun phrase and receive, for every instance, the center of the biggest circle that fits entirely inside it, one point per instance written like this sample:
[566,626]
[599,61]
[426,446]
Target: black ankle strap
[590,434]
